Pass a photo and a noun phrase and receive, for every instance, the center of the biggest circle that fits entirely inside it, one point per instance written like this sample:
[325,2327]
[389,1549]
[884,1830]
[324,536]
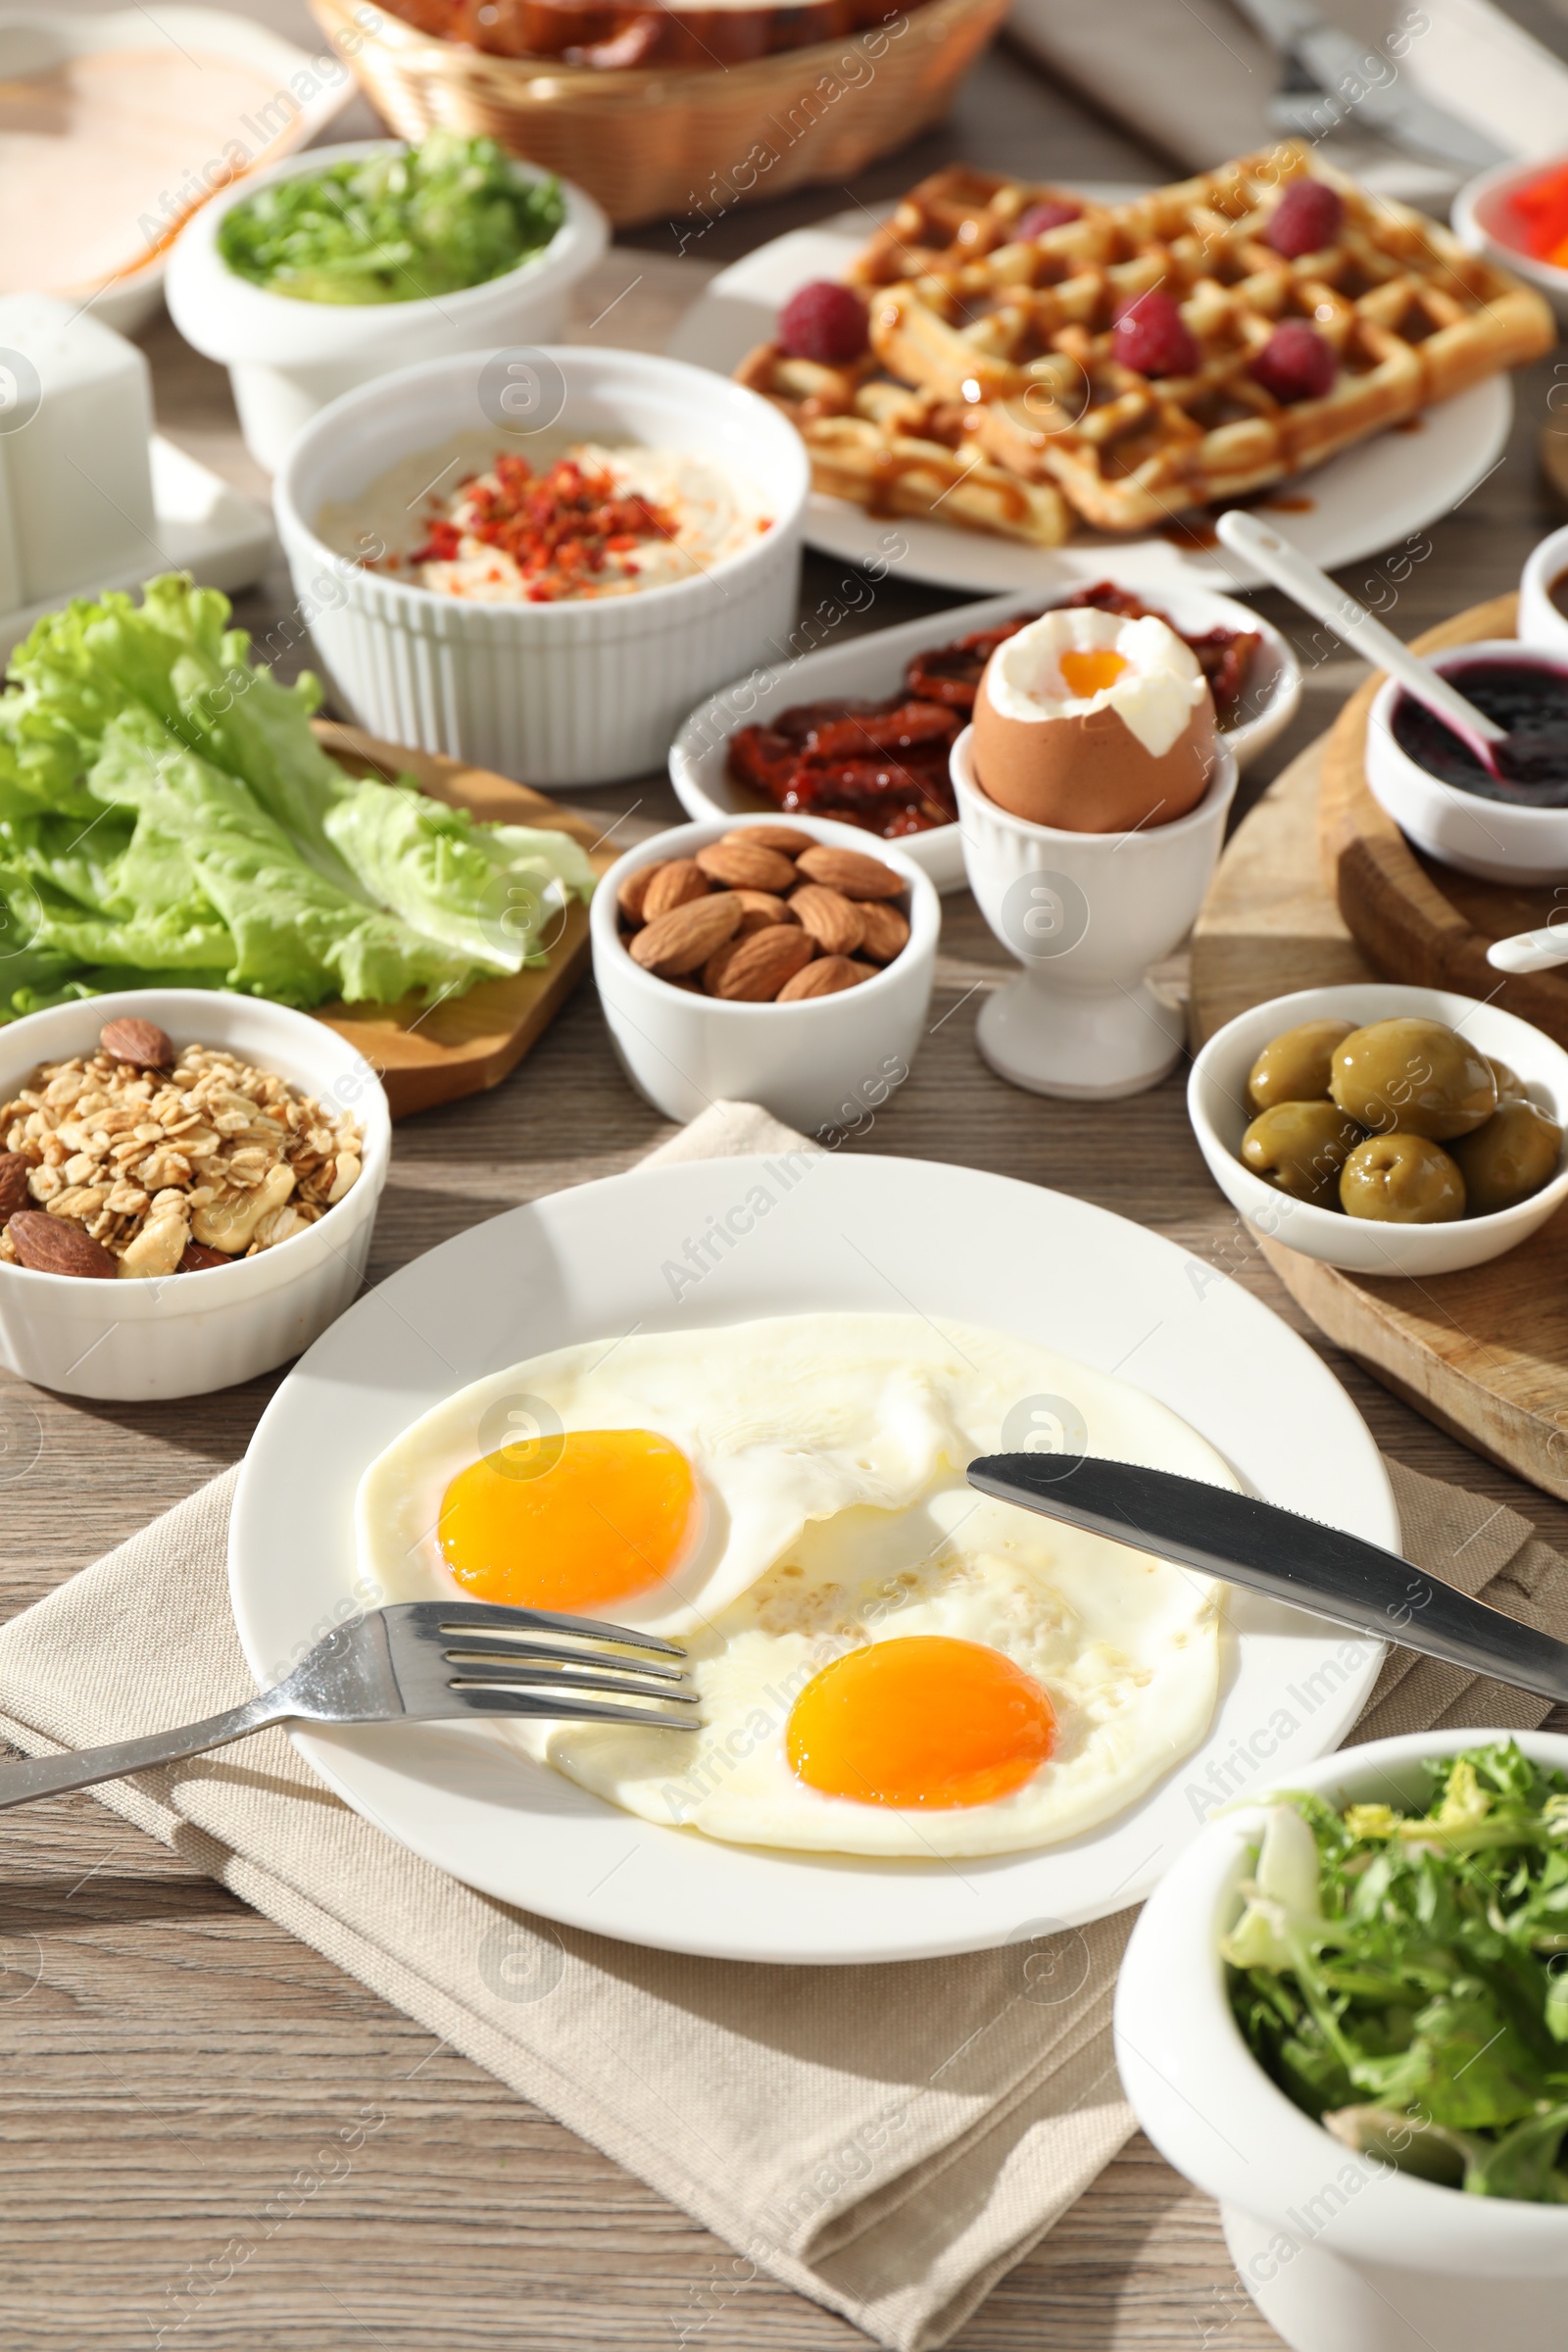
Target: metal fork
[422,1661]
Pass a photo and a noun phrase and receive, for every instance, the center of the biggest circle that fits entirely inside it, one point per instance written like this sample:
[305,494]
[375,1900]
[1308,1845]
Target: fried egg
[886,1662]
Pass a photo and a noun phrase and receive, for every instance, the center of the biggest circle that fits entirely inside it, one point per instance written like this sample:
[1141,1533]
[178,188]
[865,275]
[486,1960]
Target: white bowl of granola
[171,1227]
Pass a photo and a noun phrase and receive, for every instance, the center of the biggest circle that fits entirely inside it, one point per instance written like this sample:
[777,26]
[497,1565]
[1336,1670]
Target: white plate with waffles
[842,1235]
[1373,497]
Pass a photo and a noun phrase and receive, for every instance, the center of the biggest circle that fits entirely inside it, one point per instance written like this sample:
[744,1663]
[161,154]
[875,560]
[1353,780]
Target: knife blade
[1317,55]
[1245,1541]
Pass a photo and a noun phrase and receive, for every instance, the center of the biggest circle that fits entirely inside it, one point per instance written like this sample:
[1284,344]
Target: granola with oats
[177,1168]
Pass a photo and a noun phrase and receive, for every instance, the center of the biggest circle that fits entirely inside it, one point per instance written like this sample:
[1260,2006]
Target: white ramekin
[1340,2253]
[1217,1105]
[1540,622]
[563,694]
[191,1332]
[287,359]
[1086,914]
[1481,222]
[821,1065]
[1494,839]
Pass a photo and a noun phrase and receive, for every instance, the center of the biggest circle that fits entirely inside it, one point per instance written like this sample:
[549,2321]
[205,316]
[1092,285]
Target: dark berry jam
[1530,701]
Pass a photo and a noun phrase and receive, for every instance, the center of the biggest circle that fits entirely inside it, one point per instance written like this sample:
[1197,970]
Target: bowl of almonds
[781,964]
[189,1183]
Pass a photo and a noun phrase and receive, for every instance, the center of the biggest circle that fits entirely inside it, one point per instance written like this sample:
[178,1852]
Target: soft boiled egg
[885,1661]
[1094,723]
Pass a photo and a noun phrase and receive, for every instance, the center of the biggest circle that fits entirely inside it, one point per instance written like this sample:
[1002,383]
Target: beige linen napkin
[886,2140]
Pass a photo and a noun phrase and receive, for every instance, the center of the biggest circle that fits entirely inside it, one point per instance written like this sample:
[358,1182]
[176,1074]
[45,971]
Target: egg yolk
[923,1720]
[574,1523]
[1090,672]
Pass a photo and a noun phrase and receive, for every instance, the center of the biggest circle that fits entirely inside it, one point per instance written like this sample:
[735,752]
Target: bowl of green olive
[1384,1130]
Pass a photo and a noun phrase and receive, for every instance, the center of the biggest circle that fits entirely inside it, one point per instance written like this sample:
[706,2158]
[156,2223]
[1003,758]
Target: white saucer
[202,526]
[864,1233]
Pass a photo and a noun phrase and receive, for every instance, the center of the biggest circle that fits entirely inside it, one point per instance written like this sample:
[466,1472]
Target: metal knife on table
[1324,85]
[1245,1541]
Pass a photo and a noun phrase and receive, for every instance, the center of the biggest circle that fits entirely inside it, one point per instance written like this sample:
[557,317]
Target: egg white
[1154,697]
[830,1451]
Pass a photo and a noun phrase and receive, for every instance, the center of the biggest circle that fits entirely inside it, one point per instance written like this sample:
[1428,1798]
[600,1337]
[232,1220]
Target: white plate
[873,665]
[1382,491]
[307,93]
[864,1235]
[202,526]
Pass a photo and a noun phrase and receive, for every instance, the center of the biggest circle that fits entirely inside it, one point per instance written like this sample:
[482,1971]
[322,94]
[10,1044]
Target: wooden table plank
[170,2063]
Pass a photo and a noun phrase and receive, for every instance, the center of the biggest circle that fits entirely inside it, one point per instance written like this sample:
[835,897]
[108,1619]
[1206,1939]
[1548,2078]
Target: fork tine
[487,1702]
[470,1616]
[507,1678]
[523,1652]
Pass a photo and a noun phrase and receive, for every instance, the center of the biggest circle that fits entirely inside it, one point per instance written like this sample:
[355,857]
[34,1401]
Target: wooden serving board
[1413,919]
[427,1055]
[1483,1353]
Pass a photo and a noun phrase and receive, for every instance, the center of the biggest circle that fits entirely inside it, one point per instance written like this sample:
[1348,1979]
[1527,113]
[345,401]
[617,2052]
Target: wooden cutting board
[1483,1353]
[1413,919]
[429,1055]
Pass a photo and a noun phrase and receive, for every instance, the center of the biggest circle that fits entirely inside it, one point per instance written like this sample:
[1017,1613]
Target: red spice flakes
[561,527]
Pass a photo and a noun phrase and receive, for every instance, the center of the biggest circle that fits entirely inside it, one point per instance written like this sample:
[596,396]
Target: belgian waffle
[1016,336]
[900,452]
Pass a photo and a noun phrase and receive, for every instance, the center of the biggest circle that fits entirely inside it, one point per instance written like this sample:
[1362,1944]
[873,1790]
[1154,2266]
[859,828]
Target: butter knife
[1277,1552]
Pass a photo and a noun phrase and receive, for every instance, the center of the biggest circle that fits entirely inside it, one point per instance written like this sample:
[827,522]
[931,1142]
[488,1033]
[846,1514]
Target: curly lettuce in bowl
[168,818]
[1403,1977]
[400,226]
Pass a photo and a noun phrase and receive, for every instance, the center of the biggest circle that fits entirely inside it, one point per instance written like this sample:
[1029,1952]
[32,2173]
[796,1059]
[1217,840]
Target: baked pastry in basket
[1120,364]
[589,33]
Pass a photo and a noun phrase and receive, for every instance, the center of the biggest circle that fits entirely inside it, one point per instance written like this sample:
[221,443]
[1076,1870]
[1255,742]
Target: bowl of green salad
[347,262]
[1343,2014]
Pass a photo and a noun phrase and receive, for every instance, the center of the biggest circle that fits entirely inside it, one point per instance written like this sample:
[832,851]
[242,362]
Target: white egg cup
[1086,914]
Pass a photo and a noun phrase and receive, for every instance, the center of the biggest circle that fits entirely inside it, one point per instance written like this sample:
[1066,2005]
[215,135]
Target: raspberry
[1295,364]
[1047,214]
[1305,218]
[824,321]
[1153,337]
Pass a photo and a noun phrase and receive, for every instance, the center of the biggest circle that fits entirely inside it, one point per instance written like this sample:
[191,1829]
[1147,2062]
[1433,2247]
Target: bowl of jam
[1511,827]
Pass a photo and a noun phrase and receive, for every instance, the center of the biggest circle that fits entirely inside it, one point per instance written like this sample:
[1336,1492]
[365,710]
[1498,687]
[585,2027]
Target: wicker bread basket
[652,142]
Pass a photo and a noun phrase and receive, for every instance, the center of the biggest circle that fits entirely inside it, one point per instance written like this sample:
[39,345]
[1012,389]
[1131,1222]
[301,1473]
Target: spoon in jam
[1534,755]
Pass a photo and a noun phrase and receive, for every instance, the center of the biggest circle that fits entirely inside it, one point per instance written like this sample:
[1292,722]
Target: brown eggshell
[1087,772]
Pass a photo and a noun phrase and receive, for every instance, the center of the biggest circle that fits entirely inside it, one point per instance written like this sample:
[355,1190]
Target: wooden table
[170,2062]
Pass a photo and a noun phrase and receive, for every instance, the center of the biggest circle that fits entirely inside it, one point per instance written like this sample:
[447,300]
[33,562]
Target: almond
[14,1169]
[884,932]
[686,935]
[634,890]
[53,1246]
[774,837]
[848,871]
[676,883]
[823,978]
[753,970]
[197,1256]
[833,920]
[140,1041]
[760,908]
[746,865]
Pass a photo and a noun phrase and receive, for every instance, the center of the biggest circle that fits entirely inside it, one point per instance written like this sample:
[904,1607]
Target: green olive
[1510,1158]
[1299,1148]
[1401,1179]
[1294,1068]
[1510,1082]
[1413,1077]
